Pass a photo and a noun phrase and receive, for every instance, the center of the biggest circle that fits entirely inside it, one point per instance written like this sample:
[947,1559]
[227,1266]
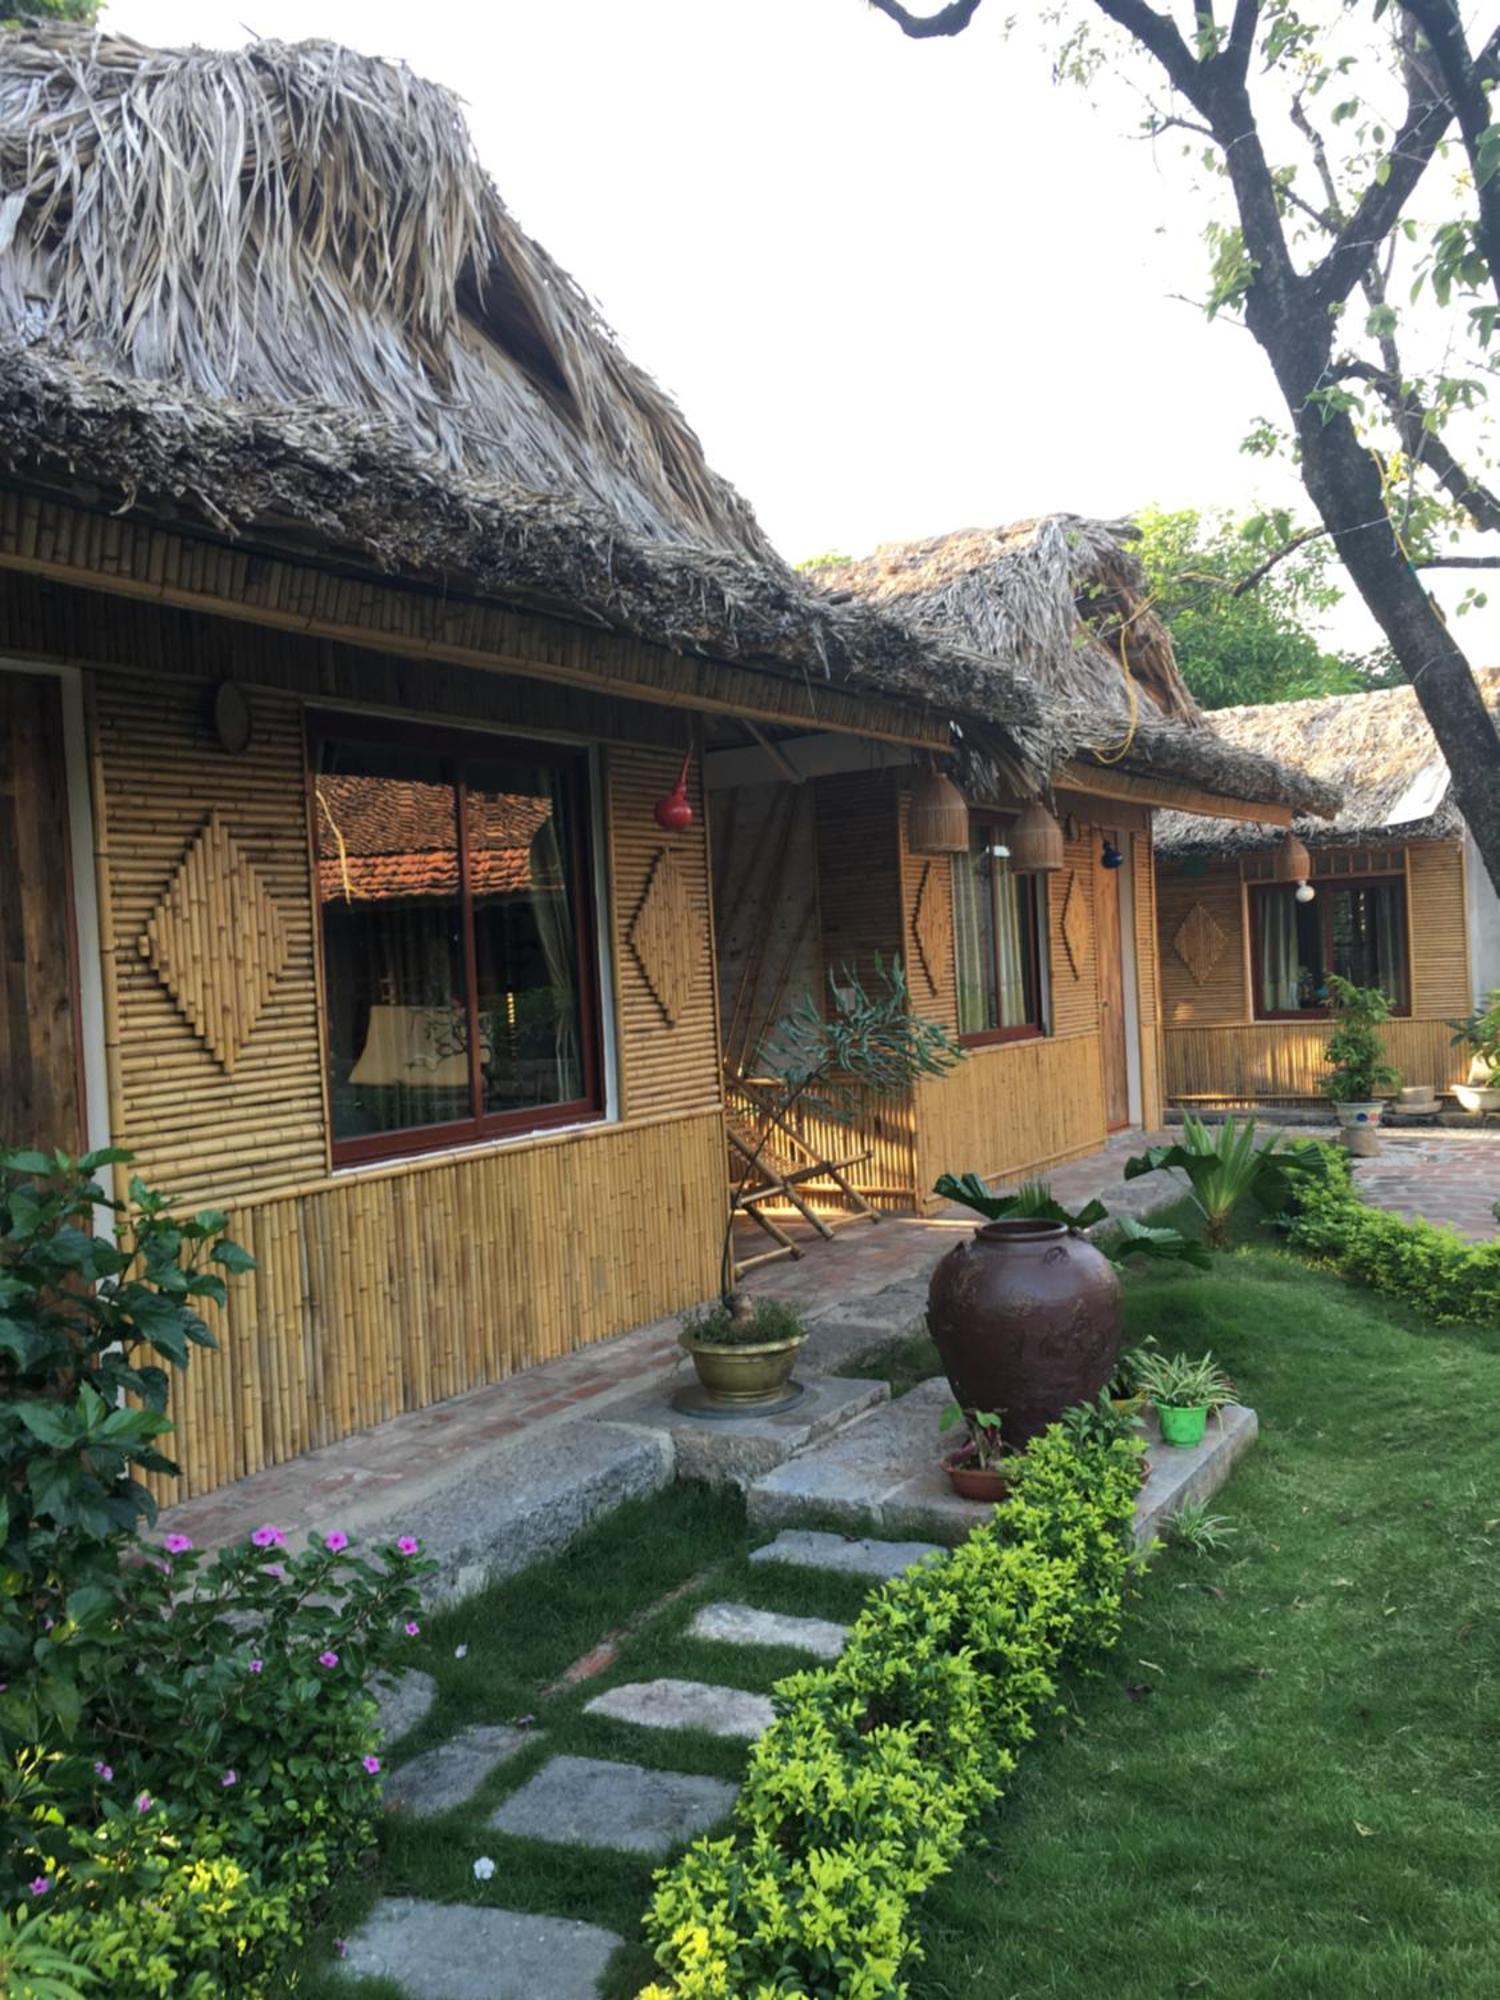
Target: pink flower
[328,1659]
[371,1764]
[257,1666]
[335,1543]
[274,1569]
[177,1545]
[408,1545]
[412,1628]
[41,1885]
[103,1771]
[269,1538]
[143,1803]
[230,1778]
[341,1946]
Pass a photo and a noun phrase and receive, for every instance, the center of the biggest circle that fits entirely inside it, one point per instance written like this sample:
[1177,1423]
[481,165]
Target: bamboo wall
[1216,1053]
[383,1289]
[1148,980]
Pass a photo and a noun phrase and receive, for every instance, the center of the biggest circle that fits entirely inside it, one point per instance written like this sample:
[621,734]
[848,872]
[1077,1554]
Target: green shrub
[1432,1268]
[857,1797]
[1357,1069]
[768,1319]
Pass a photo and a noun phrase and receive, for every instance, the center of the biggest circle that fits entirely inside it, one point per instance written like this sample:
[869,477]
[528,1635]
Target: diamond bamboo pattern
[665,937]
[217,942]
[1075,924]
[932,923]
[1200,941]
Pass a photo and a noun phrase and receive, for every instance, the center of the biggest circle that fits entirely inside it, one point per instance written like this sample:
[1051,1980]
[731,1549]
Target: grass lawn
[1282,1784]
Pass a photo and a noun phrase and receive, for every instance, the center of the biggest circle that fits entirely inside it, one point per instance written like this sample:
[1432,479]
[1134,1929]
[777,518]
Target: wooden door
[41,1093]
[1107,948]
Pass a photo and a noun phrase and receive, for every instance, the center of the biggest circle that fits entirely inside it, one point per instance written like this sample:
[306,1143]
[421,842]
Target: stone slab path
[455,1951]
[672,1704]
[446,1777]
[846,1555]
[744,1625]
[591,1802]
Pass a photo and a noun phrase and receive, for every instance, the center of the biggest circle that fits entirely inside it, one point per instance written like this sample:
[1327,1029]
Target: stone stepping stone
[443,1778]
[455,1951]
[849,1555]
[669,1704]
[588,1802]
[744,1625]
[403,1700]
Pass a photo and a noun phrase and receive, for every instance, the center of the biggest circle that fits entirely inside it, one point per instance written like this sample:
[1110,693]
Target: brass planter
[742,1375]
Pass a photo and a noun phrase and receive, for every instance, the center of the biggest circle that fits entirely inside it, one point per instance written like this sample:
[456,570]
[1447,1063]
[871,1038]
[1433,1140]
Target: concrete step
[735,1450]
[846,1555]
[885,1473]
[446,1776]
[673,1704]
[593,1802]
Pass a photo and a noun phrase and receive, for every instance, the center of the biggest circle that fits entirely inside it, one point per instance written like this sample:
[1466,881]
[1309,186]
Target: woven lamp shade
[1293,862]
[1035,842]
[939,819]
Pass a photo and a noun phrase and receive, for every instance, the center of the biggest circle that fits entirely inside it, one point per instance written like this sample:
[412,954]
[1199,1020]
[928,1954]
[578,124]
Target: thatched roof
[272,295]
[1377,748]
[1065,601]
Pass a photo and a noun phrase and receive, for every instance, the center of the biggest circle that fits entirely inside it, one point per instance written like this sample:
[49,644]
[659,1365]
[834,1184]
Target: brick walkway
[1448,1177]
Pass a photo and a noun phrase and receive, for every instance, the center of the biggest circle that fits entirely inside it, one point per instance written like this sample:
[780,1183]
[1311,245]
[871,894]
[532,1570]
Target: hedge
[858,1796]
[1441,1273]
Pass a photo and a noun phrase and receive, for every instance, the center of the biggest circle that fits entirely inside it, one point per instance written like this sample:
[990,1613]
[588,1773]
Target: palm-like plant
[1222,1167]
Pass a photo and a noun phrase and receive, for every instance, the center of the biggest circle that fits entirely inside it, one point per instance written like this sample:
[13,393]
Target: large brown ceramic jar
[1027,1320]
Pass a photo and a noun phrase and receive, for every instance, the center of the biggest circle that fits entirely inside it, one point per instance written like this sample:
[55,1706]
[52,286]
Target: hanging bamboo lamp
[939,819]
[1036,842]
[1293,862]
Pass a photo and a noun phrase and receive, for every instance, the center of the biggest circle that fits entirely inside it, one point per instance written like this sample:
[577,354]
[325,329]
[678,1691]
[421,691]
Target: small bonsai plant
[743,1351]
[1184,1390]
[1480,1031]
[974,1467]
[1358,1072]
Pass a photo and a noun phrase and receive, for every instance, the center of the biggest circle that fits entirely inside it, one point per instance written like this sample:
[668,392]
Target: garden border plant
[859,1795]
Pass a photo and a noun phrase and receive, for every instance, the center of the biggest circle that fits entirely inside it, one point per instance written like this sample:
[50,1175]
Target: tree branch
[1455,562]
[1380,206]
[1441,23]
[949,20]
[1425,447]
[1263,570]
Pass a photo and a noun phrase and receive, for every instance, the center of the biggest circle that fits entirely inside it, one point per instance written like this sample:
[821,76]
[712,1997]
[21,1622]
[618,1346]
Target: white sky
[898,287]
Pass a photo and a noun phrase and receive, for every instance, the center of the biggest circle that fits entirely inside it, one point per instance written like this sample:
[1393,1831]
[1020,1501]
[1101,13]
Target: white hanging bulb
[1305,892]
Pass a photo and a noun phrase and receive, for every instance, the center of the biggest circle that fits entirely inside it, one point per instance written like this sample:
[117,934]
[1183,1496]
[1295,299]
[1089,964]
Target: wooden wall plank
[1223,996]
[1438,918]
[1280,1062]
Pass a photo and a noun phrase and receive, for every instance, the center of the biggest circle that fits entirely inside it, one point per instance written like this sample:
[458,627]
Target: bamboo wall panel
[925,876]
[666,1064]
[1070,910]
[1011,1110]
[1147,979]
[767,935]
[1201,923]
[1266,1062]
[1437,914]
[41,1098]
[383,1292]
[199,1131]
[886,1128]
[859,871]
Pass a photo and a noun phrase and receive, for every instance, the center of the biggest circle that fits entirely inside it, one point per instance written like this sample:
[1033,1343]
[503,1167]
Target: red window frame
[462,748]
[1327,889]
[1031,938]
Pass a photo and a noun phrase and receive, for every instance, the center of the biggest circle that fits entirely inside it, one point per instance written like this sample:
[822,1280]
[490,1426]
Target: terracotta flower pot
[1026,1318]
[974,1482]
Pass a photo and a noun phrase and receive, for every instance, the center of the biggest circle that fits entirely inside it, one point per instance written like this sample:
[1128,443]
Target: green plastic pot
[1182,1427]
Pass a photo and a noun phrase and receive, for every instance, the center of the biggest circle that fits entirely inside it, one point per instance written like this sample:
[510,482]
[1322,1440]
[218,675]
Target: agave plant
[1222,1166]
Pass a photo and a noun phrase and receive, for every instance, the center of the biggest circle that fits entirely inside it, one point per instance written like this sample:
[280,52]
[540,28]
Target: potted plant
[1124,1388]
[743,1352]
[973,1469]
[1359,1077]
[1481,1031]
[1183,1390]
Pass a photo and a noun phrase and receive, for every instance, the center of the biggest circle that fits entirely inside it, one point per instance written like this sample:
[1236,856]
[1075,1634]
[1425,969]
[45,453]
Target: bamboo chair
[770,1163]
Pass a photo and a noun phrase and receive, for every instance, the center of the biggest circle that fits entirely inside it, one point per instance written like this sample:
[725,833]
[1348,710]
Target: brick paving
[1451,1177]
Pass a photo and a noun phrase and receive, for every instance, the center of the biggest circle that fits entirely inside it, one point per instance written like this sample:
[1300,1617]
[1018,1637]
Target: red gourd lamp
[674,813]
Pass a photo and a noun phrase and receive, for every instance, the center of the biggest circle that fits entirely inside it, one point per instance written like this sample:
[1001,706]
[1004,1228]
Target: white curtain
[550,905]
[972,936]
[1390,944]
[1011,948]
[1278,952]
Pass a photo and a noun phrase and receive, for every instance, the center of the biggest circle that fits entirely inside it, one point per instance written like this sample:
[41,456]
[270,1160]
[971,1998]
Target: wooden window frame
[1031,935]
[464,747]
[1327,887]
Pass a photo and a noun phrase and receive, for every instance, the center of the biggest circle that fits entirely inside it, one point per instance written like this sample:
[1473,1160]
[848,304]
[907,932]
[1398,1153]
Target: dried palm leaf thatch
[1377,749]
[304,224]
[1063,598]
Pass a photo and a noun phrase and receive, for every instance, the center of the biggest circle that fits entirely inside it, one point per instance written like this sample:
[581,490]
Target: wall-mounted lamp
[674,813]
[1112,857]
[1305,892]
